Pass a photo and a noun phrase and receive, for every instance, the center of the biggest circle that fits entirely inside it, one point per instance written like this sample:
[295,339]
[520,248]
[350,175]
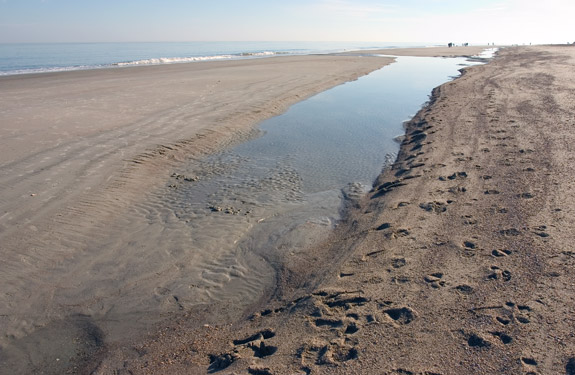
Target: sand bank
[458,261]
[432,51]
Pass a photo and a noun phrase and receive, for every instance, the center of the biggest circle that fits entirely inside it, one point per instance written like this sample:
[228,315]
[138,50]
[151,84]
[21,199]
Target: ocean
[53,57]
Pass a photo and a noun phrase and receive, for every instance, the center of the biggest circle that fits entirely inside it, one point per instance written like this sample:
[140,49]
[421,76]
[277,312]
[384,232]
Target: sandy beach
[457,262]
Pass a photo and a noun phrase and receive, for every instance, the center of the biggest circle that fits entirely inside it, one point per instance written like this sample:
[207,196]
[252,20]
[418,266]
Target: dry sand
[432,51]
[458,262]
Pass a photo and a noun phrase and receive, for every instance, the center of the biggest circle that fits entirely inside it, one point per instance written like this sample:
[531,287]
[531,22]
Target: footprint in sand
[252,346]
[326,354]
[510,232]
[469,220]
[435,207]
[514,313]
[329,323]
[541,231]
[476,341]
[401,315]
[469,245]
[491,192]
[505,338]
[434,280]
[464,289]
[398,262]
[457,190]
[501,253]
[499,274]
[529,361]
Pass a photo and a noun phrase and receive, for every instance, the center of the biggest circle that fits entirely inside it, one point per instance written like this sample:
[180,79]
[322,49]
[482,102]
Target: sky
[433,21]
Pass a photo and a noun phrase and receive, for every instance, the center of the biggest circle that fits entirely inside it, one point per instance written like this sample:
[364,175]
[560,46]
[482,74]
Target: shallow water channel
[248,208]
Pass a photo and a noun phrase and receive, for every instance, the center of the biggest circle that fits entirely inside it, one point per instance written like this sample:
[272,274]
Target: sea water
[21,58]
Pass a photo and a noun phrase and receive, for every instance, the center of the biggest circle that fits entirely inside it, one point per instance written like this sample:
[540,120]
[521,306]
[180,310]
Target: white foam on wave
[176,60]
[266,53]
[173,60]
[48,70]
[152,61]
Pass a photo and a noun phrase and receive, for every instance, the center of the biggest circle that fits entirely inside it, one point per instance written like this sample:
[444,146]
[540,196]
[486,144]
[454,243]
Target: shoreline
[456,262]
[224,57]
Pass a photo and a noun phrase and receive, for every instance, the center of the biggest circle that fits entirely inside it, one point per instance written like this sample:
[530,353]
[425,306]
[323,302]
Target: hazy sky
[439,21]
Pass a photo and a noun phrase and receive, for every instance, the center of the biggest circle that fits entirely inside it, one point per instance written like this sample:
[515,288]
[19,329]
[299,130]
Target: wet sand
[458,261]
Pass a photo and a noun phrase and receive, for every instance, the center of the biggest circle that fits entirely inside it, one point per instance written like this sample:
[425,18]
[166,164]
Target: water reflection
[343,135]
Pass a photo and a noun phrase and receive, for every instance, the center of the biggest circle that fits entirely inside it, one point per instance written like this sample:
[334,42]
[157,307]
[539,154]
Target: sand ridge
[458,261]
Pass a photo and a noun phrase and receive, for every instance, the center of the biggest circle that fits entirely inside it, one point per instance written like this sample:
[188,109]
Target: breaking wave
[150,61]
[175,60]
